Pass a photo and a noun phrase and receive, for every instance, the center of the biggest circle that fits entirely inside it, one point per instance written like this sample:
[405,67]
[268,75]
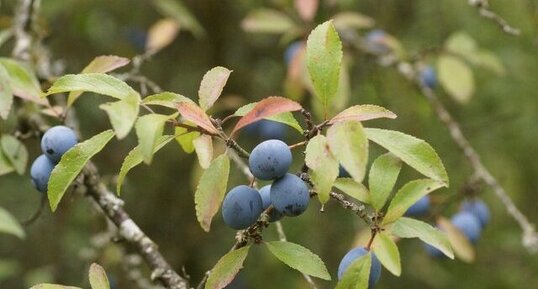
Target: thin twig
[483,10]
[530,236]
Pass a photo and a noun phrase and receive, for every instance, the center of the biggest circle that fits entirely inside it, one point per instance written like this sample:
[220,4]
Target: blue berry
[40,172]
[468,224]
[290,195]
[428,77]
[241,207]
[478,208]
[420,208]
[56,141]
[270,159]
[265,194]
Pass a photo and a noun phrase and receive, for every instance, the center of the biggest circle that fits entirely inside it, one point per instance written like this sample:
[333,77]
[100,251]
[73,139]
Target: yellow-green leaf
[382,178]
[135,158]
[267,21]
[349,144]
[211,87]
[299,258]
[53,286]
[98,277]
[410,228]
[409,194]
[413,151]
[203,145]
[15,151]
[324,60]
[226,268]
[6,94]
[363,112]
[323,166]
[185,139]
[72,163]
[149,128]
[23,81]
[387,252]
[166,99]
[211,190]
[5,166]
[456,77]
[122,114]
[10,225]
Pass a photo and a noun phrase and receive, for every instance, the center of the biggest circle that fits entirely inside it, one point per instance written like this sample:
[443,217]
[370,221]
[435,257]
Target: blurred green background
[500,120]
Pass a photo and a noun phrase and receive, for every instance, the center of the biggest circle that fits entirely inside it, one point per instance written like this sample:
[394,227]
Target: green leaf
[6,94]
[149,128]
[226,268]
[16,152]
[267,21]
[324,60]
[411,228]
[212,84]
[23,81]
[413,151]
[299,258]
[122,114]
[135,158]
[10,225]
[286,118]
[203,145]
[353,189]
[99,83]
[456,77]
[463,249]
[349,144]
[5,166]
[382,178]
[166,99]
[387,252]
[357,274]
[211,189]
[98,277]
[408,195]
[323,166]
[72,163]
[100,64]
[53,286]
[185,139]
[177,10]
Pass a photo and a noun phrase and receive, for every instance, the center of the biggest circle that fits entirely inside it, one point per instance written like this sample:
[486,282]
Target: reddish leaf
[362,113]
[307,8]
[196,115]
[266,108]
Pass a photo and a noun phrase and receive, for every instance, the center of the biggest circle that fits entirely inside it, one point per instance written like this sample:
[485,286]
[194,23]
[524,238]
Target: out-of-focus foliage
[500,119]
